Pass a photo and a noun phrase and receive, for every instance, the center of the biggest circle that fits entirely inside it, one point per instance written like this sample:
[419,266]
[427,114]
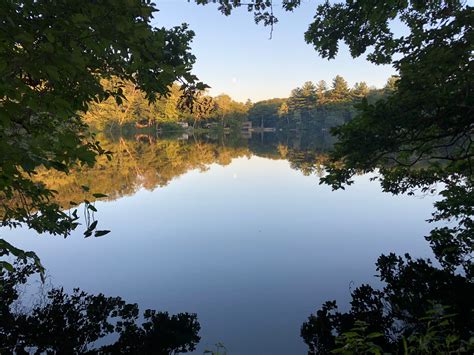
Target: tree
[321,91]
[223,105]
[265,113]
[200,107]
[303,98]
[340,91]
[302,102]
[308,90]
[421,134]
[360,90]
[53,56]
[228,109]
[107,114]
[283,112]
[167,107]
[391,84]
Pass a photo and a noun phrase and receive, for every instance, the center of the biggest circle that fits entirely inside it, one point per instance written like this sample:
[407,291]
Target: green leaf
[374,335]
[101,233]
[6,265]
[99,195]
[92,227]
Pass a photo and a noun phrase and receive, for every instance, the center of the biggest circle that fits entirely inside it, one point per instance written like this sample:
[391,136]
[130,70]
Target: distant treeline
[309,106]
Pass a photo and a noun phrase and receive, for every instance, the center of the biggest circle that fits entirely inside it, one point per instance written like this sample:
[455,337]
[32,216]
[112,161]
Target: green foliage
[365,25]
[265,113]
[361,90]
[439,337]
[306,108]
[340,91]
[173,109]
[357,341]
[312,105]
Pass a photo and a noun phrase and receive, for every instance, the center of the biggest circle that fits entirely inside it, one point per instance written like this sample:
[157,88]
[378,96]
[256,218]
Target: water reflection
[252,245]
[149,161]
[62,323]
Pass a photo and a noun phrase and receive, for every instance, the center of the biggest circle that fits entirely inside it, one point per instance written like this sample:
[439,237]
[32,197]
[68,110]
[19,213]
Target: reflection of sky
[235,56]
[253,247]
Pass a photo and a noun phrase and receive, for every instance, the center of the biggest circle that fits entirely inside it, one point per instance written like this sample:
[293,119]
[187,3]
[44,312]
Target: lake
[235,229]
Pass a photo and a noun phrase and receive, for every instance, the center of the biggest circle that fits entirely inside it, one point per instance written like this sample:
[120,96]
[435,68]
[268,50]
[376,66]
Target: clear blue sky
[235,56]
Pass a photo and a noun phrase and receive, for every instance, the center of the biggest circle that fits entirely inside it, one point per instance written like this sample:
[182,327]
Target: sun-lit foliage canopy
[306,107]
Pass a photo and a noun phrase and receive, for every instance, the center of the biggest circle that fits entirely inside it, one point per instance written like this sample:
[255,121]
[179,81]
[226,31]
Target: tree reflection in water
[62,323]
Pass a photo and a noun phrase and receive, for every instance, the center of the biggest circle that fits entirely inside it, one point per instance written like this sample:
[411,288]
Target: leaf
[91,227]
[6,265]
[99,195]
[101,233]
[85,188]
[374,335]
[92,208]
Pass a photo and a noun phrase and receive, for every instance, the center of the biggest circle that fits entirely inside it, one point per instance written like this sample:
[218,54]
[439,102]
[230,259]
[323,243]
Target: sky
[235,56]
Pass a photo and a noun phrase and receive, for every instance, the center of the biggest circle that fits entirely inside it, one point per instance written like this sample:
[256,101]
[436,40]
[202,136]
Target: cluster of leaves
[422,133]
[262,9]
[71,323]
[437,338]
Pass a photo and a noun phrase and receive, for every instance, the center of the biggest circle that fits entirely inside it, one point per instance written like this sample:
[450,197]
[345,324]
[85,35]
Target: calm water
[236,233]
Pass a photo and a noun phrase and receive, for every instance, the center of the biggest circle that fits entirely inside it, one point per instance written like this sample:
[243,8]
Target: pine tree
[340,90]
